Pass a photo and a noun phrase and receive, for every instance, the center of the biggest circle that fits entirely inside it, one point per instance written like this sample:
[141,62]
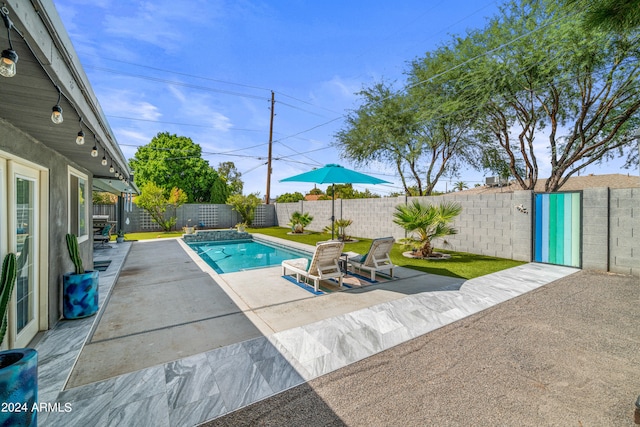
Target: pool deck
[175,344]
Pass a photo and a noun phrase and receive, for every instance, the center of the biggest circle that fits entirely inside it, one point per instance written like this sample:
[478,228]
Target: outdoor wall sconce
[9,57]
[521,208]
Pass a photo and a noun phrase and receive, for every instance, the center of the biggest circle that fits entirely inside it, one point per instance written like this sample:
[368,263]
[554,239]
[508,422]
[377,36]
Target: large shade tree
[176,161]
[422,131]
[540,79]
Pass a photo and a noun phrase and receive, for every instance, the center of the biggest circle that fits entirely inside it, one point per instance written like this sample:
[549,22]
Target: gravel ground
[566,354]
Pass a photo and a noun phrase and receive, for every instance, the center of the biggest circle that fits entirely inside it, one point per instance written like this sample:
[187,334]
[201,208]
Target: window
[78,206]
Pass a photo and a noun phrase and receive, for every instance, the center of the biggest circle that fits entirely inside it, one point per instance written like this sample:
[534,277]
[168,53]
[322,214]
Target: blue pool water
[237,255]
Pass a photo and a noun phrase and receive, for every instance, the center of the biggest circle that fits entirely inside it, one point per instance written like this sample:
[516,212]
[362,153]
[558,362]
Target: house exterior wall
[21,145]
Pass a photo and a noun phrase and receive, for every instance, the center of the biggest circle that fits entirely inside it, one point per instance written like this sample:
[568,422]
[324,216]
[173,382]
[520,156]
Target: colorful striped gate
[558,228]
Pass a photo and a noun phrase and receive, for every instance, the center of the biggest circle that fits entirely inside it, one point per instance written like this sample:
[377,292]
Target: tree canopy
[176,161]
[530,91]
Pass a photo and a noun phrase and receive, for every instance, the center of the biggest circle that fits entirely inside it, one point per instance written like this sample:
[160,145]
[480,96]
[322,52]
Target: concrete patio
[171,360]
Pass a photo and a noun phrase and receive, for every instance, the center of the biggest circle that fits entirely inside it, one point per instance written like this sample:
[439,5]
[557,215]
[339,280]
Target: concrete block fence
[490,224]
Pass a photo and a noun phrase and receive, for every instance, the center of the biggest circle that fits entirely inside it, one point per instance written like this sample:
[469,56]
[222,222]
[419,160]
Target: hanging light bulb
[9,57]
[94,151]
[8,61]
[111,169]
[80,138]
[56,114]
[104,161]
[56,111]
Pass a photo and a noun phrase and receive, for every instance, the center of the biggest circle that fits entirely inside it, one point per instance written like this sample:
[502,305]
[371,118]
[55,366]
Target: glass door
[25,219]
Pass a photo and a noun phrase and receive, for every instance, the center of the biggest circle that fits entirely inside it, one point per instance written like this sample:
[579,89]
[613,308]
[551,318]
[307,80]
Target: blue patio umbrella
[334,174]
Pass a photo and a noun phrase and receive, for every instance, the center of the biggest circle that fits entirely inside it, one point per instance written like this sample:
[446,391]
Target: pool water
[238,255]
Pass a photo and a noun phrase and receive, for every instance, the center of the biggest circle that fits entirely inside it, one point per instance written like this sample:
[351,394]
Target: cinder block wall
[492,225]
[624,227]
[488,225]
[595,228]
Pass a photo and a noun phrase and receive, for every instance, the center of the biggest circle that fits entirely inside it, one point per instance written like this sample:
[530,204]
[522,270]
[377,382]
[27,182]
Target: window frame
[78,182]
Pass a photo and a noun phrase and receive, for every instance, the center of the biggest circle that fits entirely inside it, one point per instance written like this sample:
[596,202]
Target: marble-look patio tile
[279,373]
[53,371]
[197,412]
[138,385]
[225,352]
[324,364]
[92,410]
[284,352]
[148,412]
[376,318]
[87,391]
[301,345]
[239,380]
[65,338]
[189,380]
[330,332]
[260,348]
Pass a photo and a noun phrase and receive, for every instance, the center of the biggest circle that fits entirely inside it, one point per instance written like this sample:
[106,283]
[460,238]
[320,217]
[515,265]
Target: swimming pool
[230,256]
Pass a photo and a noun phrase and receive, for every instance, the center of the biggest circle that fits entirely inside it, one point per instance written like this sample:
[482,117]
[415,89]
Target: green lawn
[461,264]
[149,235]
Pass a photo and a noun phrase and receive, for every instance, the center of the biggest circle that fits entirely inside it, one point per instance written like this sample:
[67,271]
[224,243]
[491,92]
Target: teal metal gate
[558,228]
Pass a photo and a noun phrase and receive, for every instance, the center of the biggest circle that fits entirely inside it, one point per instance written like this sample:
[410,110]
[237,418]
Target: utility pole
[273,101]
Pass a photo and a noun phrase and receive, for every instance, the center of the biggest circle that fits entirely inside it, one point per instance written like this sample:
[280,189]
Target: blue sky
[205,69]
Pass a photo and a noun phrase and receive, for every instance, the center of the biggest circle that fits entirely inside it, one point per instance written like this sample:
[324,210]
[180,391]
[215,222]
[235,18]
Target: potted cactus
[80,287]
[18,367]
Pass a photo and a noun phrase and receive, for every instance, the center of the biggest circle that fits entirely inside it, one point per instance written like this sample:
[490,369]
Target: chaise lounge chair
[104,236]
[323,265]
[377,259]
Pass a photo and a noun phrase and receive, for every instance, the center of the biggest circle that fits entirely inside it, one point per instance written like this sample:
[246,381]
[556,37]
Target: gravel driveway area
[566,354]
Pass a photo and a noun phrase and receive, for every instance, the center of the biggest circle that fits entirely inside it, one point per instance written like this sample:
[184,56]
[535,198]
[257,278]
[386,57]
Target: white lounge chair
[323,264]
[377,259]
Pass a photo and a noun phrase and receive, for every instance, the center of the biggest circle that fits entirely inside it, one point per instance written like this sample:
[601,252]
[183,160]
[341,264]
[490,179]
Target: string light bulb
[94,151]
[9,57]
[80,138]
[111,169]
[104,161]
[56,111]
[56,114]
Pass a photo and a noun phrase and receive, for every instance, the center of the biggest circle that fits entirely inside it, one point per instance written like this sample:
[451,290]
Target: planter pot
[119,239]
[80,294]
[19,387]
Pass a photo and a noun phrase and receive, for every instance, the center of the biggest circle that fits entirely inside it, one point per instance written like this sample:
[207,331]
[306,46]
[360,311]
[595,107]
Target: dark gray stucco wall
[19,144]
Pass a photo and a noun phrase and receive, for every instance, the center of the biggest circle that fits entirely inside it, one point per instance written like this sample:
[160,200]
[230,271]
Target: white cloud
[197,108]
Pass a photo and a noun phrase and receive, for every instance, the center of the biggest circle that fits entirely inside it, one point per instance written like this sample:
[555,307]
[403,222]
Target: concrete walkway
[293,341]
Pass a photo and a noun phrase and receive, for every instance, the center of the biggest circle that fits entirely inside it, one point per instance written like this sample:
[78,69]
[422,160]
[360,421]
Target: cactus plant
[8,279]
[74,253]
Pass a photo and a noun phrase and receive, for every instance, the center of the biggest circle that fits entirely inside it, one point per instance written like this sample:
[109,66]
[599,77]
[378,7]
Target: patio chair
[104,236]
[377,259]
[323,264]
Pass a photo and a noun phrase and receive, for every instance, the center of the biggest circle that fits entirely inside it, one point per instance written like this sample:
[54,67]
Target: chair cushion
[105,230]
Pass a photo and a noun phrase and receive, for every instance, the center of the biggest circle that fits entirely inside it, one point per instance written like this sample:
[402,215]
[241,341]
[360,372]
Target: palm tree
[299,221]
[340,229]
[425,223]
[459,186]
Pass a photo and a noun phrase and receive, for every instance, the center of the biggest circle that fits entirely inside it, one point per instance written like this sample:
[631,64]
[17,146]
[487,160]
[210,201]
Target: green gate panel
[557,228]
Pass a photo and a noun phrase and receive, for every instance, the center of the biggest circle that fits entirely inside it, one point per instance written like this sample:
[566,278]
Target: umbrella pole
[333,204]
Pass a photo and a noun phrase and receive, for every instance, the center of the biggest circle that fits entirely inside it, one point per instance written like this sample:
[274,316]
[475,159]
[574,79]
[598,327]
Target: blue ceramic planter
[19,387]
[80,294]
